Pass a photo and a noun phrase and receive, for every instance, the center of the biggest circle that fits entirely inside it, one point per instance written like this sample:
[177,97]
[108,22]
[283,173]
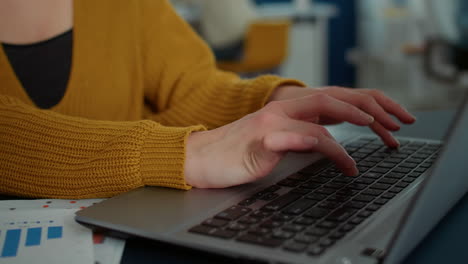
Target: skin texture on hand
[249,148]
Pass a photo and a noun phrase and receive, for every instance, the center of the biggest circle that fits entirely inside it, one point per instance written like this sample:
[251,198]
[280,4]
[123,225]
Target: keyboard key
[310,185]
[420,169]
[299,207]
[281,202]
[355,205]
[372,175]
[269,196]
[334,185]
[327,224]
[344,179]
[347,228]
[395,175]
[357,220]
[409,165]
[347,192]
[341,214]
[237,227]
[388,195]
[329,205]
[259,231]
[388,181]
[401,170]
[224,233]
[386,165]
[262,241]
[316,231]
[215,222]
[302,238]
[372,192]
[293,228]
[260,214]
[395,190]
[365,214]
[409,179]
[271,224]
[316,213]
[319,180]
[326,191]
[248,220]
[356,186]
[402,184]
[289,183]
[380,186]
[364,198]
[248,202]
[233,213]
[363,180]
[301,191]
[381,201]
[304,221]
[211,231]
[316,196]
[373,207]
[282,235]
[282,217]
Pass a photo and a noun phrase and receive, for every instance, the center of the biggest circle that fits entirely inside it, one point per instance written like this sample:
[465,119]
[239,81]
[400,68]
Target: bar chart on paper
[39,237]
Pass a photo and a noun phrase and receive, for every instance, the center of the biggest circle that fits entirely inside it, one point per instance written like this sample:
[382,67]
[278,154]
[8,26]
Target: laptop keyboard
[311,210]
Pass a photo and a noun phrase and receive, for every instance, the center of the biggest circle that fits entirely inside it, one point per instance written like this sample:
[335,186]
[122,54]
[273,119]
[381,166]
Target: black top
[43,68]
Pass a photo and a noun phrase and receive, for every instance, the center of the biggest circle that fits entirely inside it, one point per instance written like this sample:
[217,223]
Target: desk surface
[446,243]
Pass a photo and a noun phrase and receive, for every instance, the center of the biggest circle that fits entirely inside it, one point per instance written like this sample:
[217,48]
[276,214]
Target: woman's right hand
[249,148]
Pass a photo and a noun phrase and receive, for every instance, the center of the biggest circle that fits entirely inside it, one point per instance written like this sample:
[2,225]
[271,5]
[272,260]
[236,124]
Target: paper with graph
[44,236]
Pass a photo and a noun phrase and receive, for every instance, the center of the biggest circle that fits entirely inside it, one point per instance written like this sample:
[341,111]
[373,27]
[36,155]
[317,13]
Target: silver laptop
[306,211]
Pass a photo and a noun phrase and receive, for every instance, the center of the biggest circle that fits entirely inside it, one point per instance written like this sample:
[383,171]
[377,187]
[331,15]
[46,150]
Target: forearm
[222,100]
[45,154]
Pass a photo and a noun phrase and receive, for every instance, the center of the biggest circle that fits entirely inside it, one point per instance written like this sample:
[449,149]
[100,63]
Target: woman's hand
[249,148]
[373,102]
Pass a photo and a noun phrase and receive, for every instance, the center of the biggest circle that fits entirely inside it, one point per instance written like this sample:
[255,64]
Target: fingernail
[368,117]
[311,141]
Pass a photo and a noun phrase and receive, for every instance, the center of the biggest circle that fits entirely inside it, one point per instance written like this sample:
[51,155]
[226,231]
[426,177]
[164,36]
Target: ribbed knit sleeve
[181,78]
[46,154]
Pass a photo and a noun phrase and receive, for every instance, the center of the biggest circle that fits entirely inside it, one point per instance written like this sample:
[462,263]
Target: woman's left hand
[371,101]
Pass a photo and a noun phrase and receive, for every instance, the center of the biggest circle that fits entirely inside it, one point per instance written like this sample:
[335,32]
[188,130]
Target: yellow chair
[265,48]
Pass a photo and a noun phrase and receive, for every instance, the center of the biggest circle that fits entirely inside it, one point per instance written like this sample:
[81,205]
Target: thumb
[281,141]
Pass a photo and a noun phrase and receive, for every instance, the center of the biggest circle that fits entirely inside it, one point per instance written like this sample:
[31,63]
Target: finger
[281,141]
[317,105]
[385,135]
[392,107]
[305,128]
[335,152]
[368,104]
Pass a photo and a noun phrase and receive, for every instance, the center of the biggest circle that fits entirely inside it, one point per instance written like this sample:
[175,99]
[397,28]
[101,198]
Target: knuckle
[365,99]
[273,105]
[265,119]
[321,99]
[321,130]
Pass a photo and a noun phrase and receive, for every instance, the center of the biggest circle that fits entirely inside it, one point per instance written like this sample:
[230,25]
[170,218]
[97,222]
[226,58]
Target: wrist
[285,92]
[194,166]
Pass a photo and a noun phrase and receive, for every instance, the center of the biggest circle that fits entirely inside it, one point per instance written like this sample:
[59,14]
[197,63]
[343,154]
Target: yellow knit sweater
[141,81]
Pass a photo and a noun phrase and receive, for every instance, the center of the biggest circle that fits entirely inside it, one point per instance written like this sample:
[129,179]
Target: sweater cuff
[271,82]
[163,156]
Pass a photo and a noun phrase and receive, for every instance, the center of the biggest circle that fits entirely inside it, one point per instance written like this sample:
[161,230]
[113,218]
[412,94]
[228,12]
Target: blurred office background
[414,50]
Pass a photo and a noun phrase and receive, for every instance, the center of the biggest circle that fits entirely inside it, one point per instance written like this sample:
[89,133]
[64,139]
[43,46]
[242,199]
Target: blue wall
[341,38]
